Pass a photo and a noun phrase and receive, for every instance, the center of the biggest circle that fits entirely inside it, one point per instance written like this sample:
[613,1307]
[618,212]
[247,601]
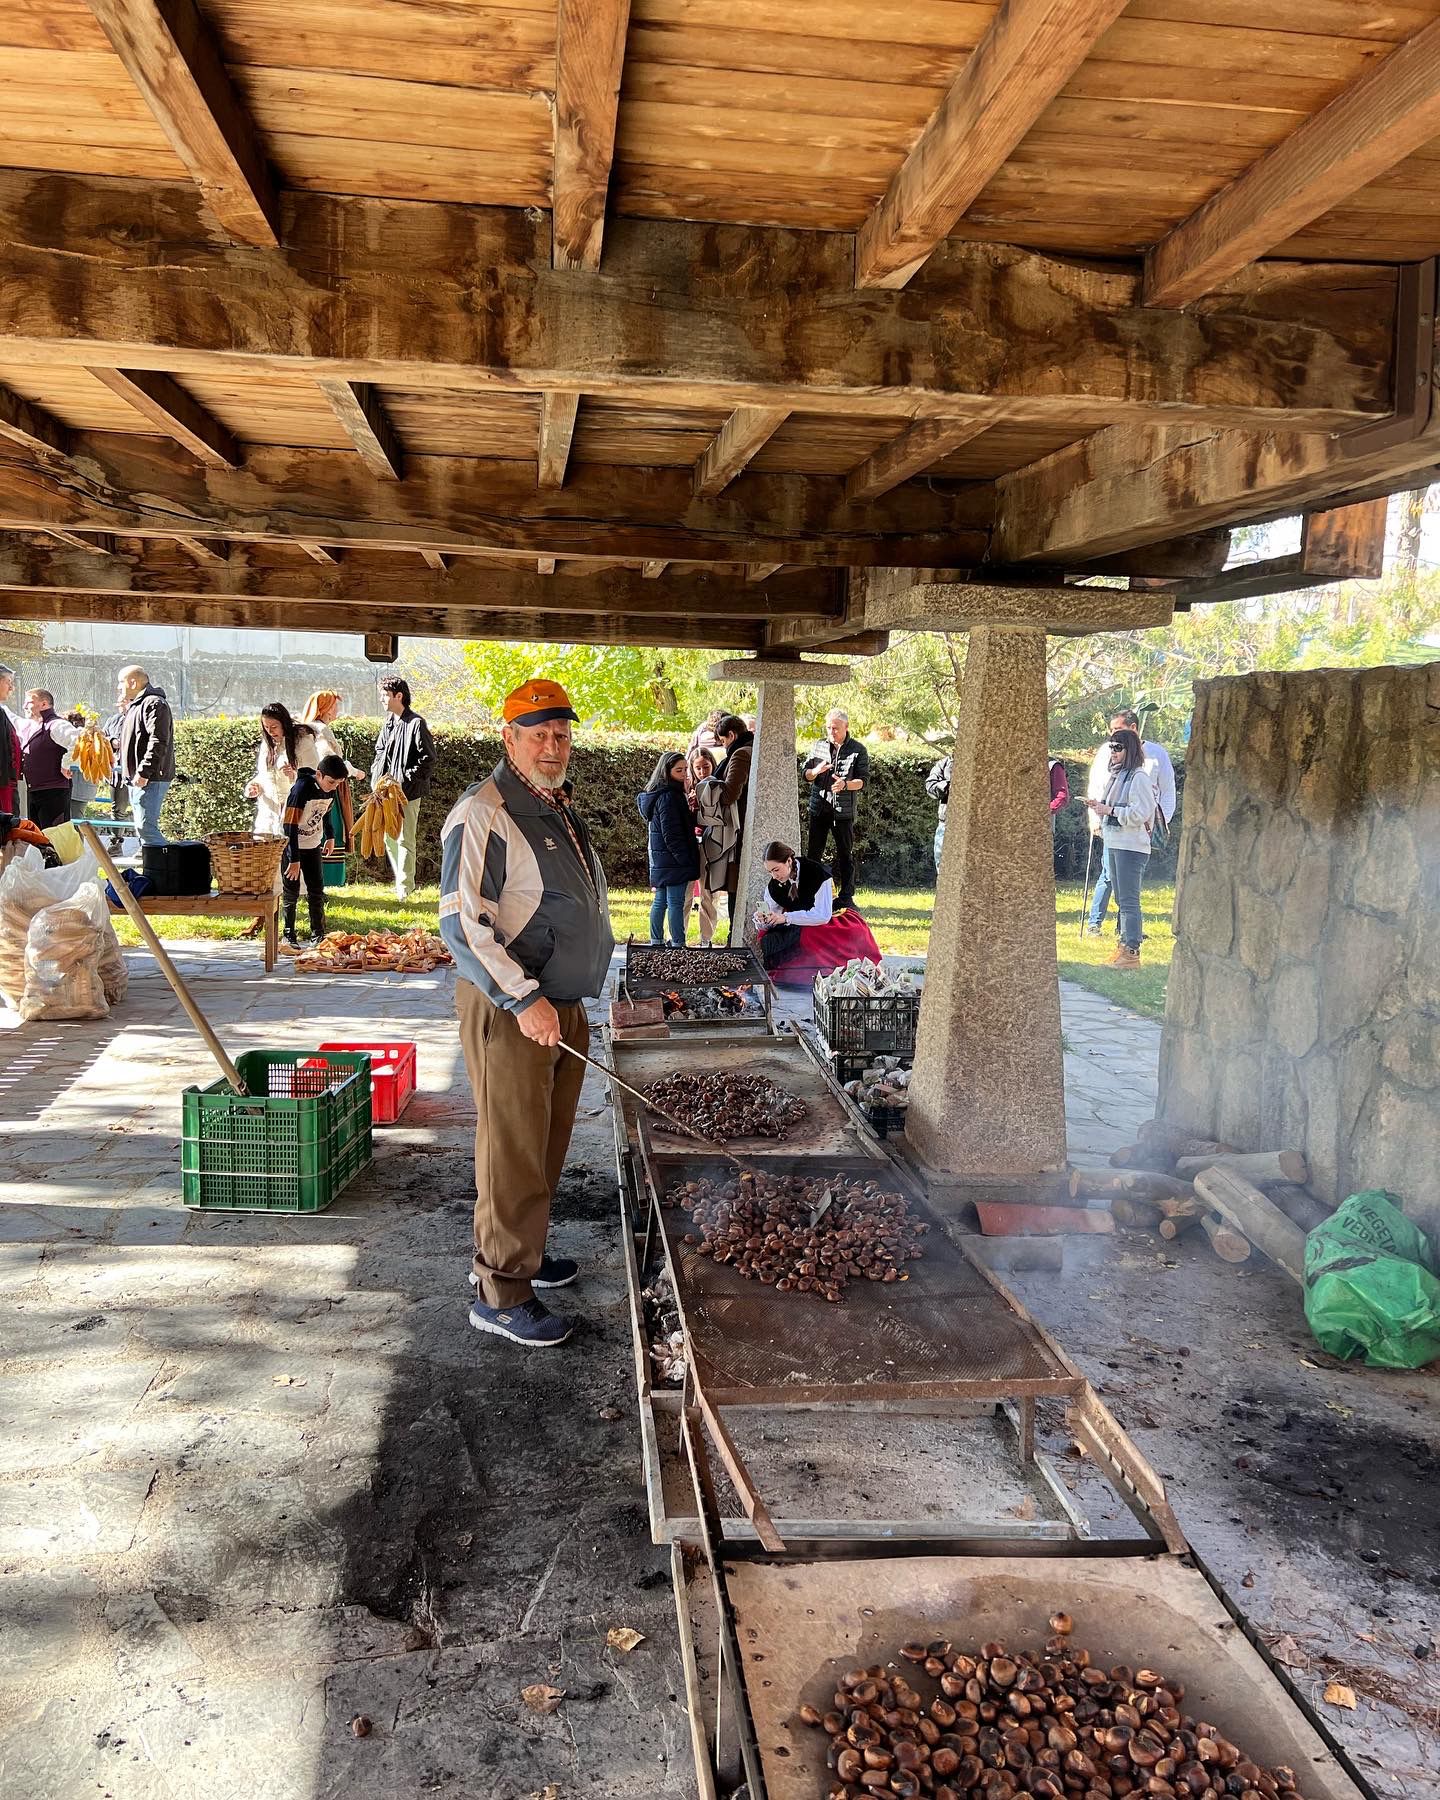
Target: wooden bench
[264,907]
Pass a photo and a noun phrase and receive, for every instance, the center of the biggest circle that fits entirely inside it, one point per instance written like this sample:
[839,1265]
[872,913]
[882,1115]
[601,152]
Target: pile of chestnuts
[771,1228]
[685,967]
[729,1104]
[1005,1725]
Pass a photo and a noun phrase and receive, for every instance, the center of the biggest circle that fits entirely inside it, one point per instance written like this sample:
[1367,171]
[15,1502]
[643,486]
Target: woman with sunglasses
[1126,813]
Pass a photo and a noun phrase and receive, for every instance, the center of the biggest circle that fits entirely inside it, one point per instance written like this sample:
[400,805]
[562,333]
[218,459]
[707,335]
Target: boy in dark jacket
[307,807]
[406,751]
[674,847]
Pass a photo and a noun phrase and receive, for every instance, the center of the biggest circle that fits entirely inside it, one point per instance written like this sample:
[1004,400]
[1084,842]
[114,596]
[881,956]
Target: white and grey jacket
[519,912]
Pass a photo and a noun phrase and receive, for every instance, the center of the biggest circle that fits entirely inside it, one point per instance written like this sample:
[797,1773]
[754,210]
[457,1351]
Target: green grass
[899,917]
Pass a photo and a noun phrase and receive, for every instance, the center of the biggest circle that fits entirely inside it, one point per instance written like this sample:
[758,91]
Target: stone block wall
[1304,998]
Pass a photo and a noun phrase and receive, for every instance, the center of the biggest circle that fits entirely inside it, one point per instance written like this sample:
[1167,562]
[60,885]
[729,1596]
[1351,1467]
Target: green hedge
[894,839]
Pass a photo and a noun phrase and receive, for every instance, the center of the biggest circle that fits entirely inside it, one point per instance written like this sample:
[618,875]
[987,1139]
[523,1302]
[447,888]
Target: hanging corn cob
[93,754]
[383,817]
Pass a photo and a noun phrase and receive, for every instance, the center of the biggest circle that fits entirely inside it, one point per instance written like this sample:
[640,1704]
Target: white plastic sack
[26,886]
[63,952]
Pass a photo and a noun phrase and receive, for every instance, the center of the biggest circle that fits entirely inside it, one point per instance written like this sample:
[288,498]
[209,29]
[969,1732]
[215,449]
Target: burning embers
[713,1003]
[1046,1724]
[680,967]
[804,1235]
[726,1104]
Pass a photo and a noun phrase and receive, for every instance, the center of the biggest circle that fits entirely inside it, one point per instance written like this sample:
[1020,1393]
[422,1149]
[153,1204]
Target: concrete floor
[258,1477]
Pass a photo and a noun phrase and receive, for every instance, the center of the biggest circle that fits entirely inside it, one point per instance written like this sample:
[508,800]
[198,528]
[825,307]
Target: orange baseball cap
[536,702]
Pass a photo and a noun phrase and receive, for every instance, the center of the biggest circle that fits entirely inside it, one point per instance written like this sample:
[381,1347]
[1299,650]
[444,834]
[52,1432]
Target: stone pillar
[987,1098]
[772,808]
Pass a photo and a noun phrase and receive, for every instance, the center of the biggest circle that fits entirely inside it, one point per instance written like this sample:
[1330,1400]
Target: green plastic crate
[290,1144]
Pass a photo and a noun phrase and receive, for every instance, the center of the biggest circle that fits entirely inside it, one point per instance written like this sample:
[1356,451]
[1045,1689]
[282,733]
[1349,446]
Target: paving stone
[70,1414]
[91,1510]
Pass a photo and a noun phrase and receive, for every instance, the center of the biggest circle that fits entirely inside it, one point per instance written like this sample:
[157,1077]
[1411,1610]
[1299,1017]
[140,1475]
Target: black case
[178,869]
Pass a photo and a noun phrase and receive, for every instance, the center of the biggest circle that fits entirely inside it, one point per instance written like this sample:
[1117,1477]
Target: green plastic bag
[1370,1285]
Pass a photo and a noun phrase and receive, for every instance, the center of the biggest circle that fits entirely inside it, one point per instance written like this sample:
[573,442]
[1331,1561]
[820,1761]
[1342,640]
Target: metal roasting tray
[947,1333]
[828,1131]
[649,987]
[795,1623]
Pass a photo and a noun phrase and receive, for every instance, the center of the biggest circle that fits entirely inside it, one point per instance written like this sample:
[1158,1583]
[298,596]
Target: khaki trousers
[401,851]
[525,1100]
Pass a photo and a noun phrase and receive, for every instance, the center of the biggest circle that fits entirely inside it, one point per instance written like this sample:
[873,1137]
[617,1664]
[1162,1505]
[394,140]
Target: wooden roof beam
[558,413]
[1345,543]
[439,621]
[434,560]
[102,544]
[545,565]
[652,571]
[168,407]
[469,506]
[30,426]
[384,293]
[356,404]
[743,435]
[172,57]
[1030,51]
[589,62]
[321,553]
[1387,114]
[156,567]
[911,453]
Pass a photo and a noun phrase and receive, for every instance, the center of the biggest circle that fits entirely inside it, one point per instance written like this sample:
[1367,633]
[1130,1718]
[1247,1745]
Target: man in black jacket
[406,752]
[837,770]
[147,750]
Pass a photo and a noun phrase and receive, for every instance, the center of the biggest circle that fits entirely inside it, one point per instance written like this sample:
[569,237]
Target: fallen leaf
[542,1699]
[1337,1694]
[1026,1509]
[1367,1637]
[1248,1580]
[291,1381]
[1305,1363]
[624,1638]
[610,1414]
[1334,1406]
[1286,1650]
[546,1793]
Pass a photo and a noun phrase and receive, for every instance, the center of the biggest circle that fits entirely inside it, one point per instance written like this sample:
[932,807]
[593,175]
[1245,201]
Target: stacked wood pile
[1172,1182]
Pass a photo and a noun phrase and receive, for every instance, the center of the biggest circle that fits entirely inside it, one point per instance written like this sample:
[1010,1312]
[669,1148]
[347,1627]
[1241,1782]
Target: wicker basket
[244,863]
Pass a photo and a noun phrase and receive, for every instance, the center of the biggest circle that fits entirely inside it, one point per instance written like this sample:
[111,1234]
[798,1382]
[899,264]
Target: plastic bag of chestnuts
[1002,1725]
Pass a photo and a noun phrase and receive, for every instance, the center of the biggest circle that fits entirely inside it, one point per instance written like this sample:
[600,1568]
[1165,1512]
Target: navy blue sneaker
[529,1323]
[554,1271]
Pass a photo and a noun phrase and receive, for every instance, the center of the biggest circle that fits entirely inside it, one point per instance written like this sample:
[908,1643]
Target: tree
[621,686]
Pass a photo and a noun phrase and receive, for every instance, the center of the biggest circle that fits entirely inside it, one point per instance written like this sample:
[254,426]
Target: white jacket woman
[285,748]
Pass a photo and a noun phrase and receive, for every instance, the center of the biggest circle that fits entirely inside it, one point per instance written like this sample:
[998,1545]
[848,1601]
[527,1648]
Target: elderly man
[147,750]
[44,739]
[1161,771]
[524,910]
[837,770]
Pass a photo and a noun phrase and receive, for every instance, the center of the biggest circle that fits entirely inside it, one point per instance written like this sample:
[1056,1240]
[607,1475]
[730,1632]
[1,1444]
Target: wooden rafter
[911,453]
[762,571]
[1346,543]
[558,413]
[1030,51]
[321,553]
[652,571]
[101,544]
[381,296]
[1387,114]
[544,565]
[173,59]
[440,621]
[166,405]
[742,436]
[434,560]
[203,550]
[357,406]
[155,567]
[30,426]
[471,506]
[589,61]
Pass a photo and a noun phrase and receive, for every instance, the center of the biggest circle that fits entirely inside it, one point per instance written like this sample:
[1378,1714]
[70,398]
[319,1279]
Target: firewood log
[1179,1140]
[1172,1227]
[1246,1209]
[1259,1166]
[1136,1156]
[1298,1204]
[1135,1184]
[1227,1243]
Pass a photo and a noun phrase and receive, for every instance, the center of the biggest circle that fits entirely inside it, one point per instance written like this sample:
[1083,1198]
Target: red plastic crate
[392,1077]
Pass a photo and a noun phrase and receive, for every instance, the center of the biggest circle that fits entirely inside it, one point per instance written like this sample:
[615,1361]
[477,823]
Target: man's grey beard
[553,782]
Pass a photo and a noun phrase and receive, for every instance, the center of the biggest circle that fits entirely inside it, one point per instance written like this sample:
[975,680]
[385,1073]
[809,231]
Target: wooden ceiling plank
[173,59]
[558,413]
[1029,53]
[589,61]
[457,506]
[101,544]
[1369,128]
[165,403]
[365,422]
[30,426]
[380,293]
[911,453]
[155,566]
[746,431]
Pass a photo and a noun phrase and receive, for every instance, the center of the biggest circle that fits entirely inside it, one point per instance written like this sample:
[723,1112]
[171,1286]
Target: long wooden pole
[158,951]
